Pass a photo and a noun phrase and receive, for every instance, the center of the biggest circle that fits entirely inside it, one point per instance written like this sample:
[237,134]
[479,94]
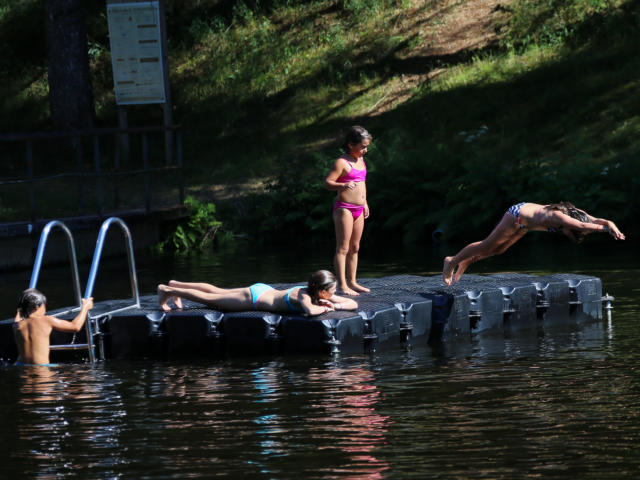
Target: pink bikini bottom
[356,210]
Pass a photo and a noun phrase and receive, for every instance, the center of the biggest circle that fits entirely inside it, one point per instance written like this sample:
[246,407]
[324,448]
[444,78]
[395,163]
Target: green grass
[550,111]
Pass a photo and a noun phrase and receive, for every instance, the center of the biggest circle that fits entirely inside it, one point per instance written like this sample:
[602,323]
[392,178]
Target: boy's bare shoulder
[38,322]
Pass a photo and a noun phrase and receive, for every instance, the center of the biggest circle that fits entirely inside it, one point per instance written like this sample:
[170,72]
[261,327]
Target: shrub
[200,230]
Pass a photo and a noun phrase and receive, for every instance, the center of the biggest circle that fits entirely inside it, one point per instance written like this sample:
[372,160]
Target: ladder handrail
[35,273]
[71,249]
[97,254]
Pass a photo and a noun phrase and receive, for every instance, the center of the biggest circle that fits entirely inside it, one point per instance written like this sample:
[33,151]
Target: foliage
[407,185]
[199,232]
[412,192]
[550,112]
[294,201]
[567,22]
[287,64]
[538,99]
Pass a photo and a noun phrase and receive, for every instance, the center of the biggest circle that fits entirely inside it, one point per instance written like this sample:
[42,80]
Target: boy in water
[32,327]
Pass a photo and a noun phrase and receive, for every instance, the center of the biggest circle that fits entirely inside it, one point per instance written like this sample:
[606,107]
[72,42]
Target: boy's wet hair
[355,135]
[570,209]
[320,280]
[30,300]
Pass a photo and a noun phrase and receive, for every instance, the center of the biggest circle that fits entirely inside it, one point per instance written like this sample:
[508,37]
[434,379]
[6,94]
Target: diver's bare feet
[447,270]
[358,288]
[462,266]
[163,298]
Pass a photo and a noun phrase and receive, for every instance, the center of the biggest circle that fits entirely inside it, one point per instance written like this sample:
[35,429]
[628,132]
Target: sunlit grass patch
[574,22]
[496,68]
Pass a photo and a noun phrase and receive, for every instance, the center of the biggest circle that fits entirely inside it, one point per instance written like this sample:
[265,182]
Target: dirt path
[448,31]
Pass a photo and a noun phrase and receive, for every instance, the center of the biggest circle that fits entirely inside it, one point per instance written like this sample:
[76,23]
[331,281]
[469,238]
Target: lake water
[560,403]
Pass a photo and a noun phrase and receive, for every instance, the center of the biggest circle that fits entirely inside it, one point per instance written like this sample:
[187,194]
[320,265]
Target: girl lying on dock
[316,298]
[520,219]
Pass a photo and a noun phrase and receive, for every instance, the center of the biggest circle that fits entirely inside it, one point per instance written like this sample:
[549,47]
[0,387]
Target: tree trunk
[70,93]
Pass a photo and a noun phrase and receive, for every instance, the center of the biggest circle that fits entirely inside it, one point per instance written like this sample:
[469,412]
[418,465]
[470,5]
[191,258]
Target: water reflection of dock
[481,313]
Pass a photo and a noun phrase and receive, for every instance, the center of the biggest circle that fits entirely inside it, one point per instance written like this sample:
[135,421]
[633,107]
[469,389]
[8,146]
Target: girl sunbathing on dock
[316,298]
[517,221]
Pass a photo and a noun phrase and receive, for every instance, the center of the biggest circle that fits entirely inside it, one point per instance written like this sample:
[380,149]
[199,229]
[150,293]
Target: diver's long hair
[30,300]
[320,280]
[570,209]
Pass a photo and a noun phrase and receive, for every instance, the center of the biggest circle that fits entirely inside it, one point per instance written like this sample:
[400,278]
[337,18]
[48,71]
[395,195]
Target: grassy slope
[464,98]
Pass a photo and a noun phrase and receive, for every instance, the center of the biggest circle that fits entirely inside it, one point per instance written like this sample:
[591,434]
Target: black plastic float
[585,295]
[193,333]
[486,308]
[450,305]
[551,291]
[400,310]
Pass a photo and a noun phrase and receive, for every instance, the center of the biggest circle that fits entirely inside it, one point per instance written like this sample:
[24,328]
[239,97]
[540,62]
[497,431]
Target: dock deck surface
[400,310]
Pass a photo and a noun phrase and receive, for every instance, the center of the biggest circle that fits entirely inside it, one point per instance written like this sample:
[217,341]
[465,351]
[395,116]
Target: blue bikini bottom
[256,290]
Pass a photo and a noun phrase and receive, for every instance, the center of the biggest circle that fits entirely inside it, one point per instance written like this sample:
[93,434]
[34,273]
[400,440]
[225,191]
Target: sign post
[138,38]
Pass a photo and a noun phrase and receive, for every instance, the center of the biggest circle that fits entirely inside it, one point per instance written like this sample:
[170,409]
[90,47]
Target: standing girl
[347,178]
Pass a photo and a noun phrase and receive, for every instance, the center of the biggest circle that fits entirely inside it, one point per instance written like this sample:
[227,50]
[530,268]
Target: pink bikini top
[354,175]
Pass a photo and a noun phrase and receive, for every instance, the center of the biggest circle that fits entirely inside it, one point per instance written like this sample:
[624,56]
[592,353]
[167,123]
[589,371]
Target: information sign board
[136,52]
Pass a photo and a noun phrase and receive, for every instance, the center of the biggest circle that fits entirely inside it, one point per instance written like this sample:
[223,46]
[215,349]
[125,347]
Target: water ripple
[552,403]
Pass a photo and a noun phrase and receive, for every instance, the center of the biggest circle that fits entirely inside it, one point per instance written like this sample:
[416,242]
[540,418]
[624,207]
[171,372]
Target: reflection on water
[556,402]
[347,413]
[163,419]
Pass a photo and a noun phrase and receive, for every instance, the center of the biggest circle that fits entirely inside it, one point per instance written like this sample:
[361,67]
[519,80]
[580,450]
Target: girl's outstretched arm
[611,227]
[598,225]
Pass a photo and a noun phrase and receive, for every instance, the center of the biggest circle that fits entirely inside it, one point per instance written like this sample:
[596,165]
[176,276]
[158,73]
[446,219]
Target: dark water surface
[561,403]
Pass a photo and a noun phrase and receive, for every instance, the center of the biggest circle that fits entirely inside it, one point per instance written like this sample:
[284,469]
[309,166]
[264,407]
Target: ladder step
[70,346]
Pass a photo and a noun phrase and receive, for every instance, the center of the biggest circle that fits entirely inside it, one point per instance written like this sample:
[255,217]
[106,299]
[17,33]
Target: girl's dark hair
[30,301]
[320,280]
[570,209]
[355,134]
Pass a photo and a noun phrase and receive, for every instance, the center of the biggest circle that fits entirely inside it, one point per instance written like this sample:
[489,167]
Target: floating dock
[402,310]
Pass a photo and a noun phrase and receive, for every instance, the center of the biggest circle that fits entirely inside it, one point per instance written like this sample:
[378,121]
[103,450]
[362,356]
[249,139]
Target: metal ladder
[97,255]
[71,249]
